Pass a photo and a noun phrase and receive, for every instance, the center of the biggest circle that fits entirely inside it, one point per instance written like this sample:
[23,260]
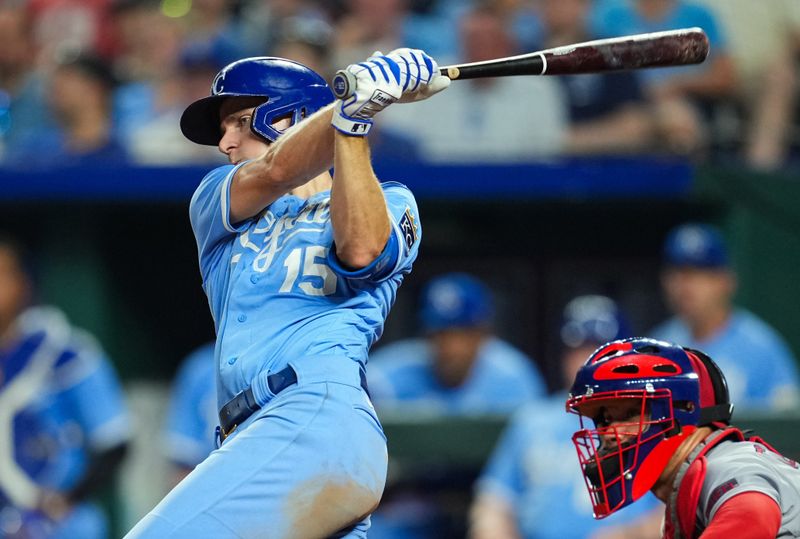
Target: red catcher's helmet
[671,391]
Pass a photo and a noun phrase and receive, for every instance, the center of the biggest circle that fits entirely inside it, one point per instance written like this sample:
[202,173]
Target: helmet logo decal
[218,86]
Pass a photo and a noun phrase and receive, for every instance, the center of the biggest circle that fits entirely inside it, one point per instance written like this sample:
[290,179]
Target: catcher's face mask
[617,434]
[638,400]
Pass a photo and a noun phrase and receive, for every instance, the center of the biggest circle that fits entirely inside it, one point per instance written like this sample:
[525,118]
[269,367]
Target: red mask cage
[611,452]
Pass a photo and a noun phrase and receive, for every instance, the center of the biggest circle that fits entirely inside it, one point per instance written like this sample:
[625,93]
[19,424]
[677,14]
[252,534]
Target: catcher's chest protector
[681,510]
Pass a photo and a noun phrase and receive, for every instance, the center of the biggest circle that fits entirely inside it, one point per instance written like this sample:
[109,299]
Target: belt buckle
[224,434]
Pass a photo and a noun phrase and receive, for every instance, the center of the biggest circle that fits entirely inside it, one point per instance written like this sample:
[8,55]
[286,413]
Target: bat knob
[343,84]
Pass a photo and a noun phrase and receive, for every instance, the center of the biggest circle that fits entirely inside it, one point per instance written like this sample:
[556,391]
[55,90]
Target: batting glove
[419,74]
[378,84]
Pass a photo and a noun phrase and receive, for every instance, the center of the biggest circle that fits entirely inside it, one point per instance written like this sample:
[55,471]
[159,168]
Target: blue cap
[592,320]
[695,245]
[455,300]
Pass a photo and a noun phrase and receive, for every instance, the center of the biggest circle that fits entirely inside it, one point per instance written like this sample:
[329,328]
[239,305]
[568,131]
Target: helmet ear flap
[722,409]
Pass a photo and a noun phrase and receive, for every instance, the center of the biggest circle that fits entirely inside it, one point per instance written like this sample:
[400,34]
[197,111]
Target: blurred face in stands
[484,37]
[14,286]
[695,294]
[654,9]
[74,92]
[455,350]
[16,49]
[380,16]
[560,16]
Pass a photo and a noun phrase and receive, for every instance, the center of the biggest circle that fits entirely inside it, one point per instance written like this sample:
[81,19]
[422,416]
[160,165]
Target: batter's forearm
[302,153]
[359,215]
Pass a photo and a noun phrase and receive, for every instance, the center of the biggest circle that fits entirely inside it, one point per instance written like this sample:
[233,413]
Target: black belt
[239,408]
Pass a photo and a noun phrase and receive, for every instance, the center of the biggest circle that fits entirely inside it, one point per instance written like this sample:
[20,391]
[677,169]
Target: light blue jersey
[402,375]
[280,297]
[535,469]
[60,400]
[276,289]
[192,414]
[758,365]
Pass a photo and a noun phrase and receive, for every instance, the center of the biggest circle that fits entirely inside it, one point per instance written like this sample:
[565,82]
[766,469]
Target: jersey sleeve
[750,515]
[93,391]
[503,475]
[403,245]
[209,212]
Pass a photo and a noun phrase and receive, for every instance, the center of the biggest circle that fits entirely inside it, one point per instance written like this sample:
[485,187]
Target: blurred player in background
[64,426]
[699,284]
[192,414]
[656,416]
[300,271]
[531,487]
[460,366]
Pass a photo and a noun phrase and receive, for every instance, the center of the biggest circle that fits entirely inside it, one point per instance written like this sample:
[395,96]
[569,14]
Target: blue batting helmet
[455,300]
[666,392]
[289,89]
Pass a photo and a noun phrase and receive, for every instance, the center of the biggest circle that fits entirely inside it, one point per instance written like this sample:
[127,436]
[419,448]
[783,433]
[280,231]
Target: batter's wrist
[347,125]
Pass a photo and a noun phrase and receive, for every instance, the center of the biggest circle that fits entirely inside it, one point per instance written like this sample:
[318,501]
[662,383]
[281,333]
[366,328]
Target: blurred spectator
[71,25]
[305,40]
[531,487]
[23,110]
[156,138]
[699,285]
[684,96]
[212,27]
[192,415]
[148,63]
[460,367]
[149,43]
[607,111]
[366,27]
[764,55]
[79,91]
[63,421]
[500,119]
[266,23]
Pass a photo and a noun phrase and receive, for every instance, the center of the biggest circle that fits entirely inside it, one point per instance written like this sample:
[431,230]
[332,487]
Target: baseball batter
[661,422]
[300,270]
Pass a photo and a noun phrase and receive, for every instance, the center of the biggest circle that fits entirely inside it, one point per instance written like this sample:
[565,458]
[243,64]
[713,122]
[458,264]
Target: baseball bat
[658,49]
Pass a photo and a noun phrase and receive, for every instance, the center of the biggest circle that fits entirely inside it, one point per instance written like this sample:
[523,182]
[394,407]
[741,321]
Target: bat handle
[343,84]
[451,72]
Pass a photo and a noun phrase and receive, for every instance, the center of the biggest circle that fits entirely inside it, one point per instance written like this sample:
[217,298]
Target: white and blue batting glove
[419,73]
[377,83]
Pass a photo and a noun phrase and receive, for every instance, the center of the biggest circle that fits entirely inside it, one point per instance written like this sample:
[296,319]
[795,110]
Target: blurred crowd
[105,81]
